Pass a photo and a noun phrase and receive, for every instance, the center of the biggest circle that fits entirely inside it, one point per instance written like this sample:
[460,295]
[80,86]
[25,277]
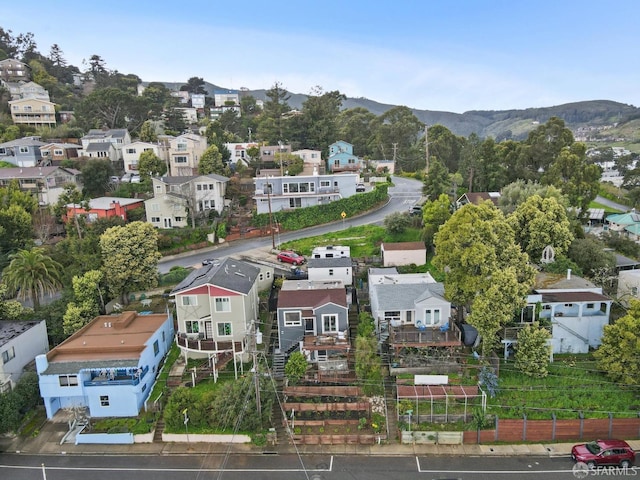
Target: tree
[319,118]
[112,107]
[130,258]
[9,309]
[355,126]
[400,127]
[533,350]
[445,146]
[211,162]
[150,165]
[368,368]
[434,214]
[396,222]
[88,301]
[194,85]
[272,123]
[291,164]
[32,274]
[514,194]
[542,147]
[12,195]
[437,179]
[148,132]
[619,354]
[296,367]
[539,222]
[590,255]
[96,175]
[475,243]
[16,230]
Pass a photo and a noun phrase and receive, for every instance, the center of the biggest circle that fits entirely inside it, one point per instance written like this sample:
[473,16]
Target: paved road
[284,467]
[612,204]
[403,194]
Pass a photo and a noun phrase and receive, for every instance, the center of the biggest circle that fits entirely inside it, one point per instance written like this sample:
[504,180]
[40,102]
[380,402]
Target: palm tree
[32,273]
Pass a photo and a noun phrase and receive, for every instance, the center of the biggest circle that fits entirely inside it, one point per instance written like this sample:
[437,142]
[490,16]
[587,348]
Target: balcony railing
[438,336]
[327,342]
[195,342]
[112,377]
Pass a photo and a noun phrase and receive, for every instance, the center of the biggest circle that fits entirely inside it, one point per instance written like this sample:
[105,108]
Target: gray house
[22,152]
[313,318]
[331,269]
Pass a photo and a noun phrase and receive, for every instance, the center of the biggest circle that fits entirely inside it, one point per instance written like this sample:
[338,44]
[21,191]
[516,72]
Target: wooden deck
[410,336]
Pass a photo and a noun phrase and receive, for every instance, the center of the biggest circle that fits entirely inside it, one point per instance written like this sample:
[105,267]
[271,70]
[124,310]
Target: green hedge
[311,216]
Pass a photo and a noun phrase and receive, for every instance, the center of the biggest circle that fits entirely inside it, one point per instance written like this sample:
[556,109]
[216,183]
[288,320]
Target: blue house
[22,152]
[342,159]
[108,366]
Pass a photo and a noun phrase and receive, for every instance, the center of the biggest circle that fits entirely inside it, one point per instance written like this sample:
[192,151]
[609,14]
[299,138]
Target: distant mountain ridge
[500,124]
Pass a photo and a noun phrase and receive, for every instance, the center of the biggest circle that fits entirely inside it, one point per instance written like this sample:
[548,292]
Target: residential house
[54,153]
[104,207]
[12,70]
[223,97]
[102,150]
[331,269]
[268,154]
[575,309]
[34,112]
[33,90]
[20,343]
[311,157]
[117,137]
[46,183]
[190,114]
[198,100]
[182,96]
[623,222]
[177,198]
[239,152]
[184,154]
[383,166]
[22,152]
[217,309]
[314,319]
[628,286]
[403,253]
[477,198]
[410,310]
[109,366]
[132,151]
[342,159]
[331,251]
[290,192]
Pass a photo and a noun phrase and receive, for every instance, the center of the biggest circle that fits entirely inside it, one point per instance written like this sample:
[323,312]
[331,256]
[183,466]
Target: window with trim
[432,316]
[292,319]
[189,301]
[131,150]
[58,153]
[180,159]
[8,354]
[155,219]
[330,323]
[68,380]
[104,400]
[24,149]
[392,315]
[192,326]
[222,304]
[295,202]
[325,183]
[156,348]
[224,329]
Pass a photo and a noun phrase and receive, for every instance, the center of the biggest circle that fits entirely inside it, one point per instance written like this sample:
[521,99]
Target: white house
[184,154]
[20,343]
[331,251]
[331,269]
[628,286]
[403,253]
[132,151]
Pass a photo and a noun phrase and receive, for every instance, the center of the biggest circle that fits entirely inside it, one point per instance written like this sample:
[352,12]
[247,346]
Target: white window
[292,319]
[8,354]
[192,326]
[68,380]
[198,187]
[295,202]
[325,183]
[131,150]
[224,329]
[432,317]
[330,323]
[104,400]
[155,219]
[155,207]
[223,304]
[58,153]
[24,149]
[181,147]
[189,300]
[180,159]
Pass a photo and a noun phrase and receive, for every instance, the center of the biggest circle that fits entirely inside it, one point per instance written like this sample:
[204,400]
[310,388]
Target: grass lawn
[573,385]
[605,207]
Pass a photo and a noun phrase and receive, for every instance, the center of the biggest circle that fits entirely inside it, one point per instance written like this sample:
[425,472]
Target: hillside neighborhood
[499,302]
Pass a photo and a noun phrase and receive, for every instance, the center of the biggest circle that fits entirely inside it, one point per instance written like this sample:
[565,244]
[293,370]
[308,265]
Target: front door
[167,222]
[208,329]
[309,326]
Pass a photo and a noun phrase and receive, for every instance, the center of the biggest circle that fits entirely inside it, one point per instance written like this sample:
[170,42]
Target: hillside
[609,121]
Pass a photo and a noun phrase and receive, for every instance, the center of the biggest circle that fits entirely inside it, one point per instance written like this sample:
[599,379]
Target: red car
[288,256]
[604,452]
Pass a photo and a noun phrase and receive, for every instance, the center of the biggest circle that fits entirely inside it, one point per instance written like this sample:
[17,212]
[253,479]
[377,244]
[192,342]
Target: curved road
[404,193]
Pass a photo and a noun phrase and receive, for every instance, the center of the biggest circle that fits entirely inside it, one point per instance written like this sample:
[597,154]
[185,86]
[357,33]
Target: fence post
[553,426]
[495,437]
[524,427]
[610,425]
[581,417]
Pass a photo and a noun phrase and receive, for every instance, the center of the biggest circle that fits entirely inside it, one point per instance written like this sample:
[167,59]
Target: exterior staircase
[277,366]
[157,436]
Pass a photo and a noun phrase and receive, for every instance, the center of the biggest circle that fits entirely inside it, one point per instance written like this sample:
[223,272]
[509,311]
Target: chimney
[568,274]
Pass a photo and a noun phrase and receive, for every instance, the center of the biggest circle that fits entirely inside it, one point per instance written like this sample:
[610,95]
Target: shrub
[296,367]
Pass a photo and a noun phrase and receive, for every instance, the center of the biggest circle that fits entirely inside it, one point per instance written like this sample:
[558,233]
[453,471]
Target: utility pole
[273,238]
[395,149]
[256,378]
[426,146]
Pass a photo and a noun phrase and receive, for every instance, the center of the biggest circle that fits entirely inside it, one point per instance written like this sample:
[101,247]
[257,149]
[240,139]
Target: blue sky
[453,55]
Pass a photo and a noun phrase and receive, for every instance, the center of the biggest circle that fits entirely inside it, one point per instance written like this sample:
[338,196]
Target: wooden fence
[522,430]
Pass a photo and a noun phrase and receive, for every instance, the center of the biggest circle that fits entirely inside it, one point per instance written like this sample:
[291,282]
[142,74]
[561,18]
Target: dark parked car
[415,210]
[288,256]
[604,452]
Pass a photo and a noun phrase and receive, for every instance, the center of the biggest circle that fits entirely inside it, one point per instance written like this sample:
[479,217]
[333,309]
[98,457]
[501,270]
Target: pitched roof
[99,147]
[546,281]
[11,330]
[23,142]
[404,246]
[179,180]
[404,296]
[33,172]
[228,273]
[329,262]
[567,297]
[628,218]
[105,203]
[478,197]
[312,298]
